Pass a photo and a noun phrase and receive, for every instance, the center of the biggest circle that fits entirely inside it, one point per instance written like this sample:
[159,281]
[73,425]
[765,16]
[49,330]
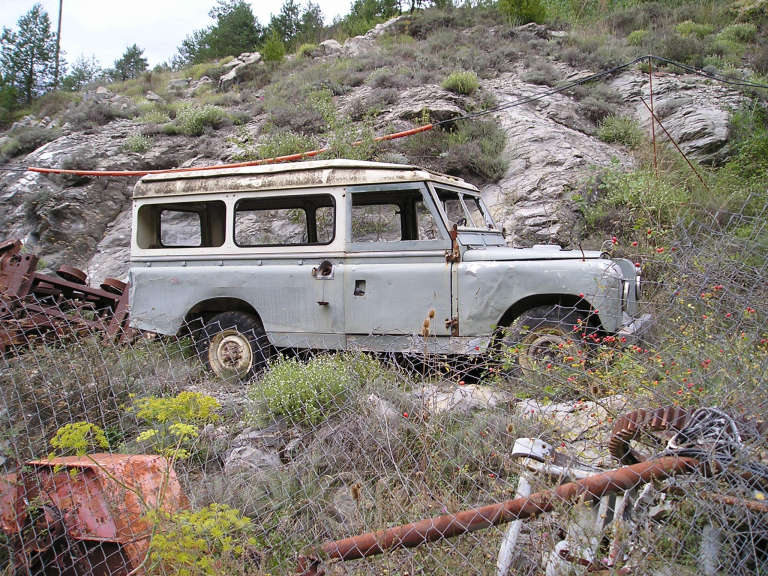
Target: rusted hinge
[454,254]
[453,324]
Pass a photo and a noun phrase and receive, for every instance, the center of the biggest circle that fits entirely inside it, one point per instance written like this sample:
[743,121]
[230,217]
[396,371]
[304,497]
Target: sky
[104,28]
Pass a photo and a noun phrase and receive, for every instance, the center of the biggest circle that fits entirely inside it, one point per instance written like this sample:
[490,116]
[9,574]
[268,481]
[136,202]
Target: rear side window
[181,225]
[285,221]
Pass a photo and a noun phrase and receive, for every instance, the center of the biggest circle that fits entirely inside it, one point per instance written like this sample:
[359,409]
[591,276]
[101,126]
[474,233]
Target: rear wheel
[544,335]
[234,345]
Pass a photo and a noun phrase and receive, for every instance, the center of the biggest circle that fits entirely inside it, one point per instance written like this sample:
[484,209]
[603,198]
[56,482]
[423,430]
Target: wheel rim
[544,346]
[230,354]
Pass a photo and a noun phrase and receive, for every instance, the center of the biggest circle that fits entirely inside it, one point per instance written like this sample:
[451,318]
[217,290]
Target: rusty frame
[33,304]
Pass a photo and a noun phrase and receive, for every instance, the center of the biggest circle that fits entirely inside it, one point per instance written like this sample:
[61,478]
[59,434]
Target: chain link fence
[124,454]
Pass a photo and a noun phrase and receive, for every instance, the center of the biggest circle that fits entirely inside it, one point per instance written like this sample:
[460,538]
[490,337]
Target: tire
[234,345]
[543,335]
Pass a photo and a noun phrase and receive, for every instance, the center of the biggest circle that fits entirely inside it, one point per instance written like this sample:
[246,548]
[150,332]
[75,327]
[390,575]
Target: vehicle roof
[286,176]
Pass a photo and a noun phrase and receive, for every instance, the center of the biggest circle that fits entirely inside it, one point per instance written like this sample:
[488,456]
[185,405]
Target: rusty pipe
[449,525]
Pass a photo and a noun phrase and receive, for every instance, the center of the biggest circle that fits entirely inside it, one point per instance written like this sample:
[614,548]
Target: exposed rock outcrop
[240,69]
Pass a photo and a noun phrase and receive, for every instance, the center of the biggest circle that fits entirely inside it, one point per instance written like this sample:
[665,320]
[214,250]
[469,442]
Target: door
[397,282]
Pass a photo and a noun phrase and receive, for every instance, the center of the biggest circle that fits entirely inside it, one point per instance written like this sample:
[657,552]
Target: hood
[538,252]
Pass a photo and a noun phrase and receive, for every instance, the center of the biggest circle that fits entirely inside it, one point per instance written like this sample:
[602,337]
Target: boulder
[178,85]
[329,48]
[440,104]
[152,97]
[358,45]
[244,68]
[252,461]
[462,399]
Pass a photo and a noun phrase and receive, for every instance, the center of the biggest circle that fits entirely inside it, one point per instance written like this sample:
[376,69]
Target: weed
[213,540]
[541,72]
[192,119]
[622,130]
[138,143]
[690,28]
[306,392]
[637,37]
[79,438]
[461,82]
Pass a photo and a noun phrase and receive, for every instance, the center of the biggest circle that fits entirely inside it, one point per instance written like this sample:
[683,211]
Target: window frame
[154,221]
[441,244]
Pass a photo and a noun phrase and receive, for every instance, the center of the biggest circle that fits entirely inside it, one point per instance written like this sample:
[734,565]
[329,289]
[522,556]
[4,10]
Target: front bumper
[633,328]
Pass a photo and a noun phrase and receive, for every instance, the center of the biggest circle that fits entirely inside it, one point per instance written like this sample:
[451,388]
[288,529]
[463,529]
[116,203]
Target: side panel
[488,289]
[298,309]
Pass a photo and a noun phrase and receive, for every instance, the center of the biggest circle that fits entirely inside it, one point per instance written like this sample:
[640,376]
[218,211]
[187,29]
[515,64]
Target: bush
[637,37]
[306,50]
[686,49]
[273,49]
[462,82]
[691,28]
[191,119]
[541,72]
[738,33]
[138,143]
[305,392]
[91,114]
[523,11]
[25,139]
[622,130]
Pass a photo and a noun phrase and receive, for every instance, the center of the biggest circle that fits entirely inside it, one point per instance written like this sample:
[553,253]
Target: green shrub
[461,82]
[284,142]
[305,392]
[306,50]
[541,72]
[637,37]
[137,142]
[691,28]
[273,49]
[25,139]
[738,33]
[191,119]
[622,130]
[523,11]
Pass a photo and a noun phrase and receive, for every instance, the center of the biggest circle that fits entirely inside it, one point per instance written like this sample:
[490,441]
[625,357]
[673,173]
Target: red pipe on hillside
[274,160]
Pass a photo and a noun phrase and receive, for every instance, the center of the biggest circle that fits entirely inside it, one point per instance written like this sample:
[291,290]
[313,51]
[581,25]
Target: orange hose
[274,160]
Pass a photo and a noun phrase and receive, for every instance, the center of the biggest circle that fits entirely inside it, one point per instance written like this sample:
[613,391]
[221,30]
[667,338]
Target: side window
[285,221]
[181,225]
[180,229]
[376,223]
[391,215]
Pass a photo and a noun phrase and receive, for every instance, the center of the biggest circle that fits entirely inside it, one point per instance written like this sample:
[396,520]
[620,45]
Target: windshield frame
[435,190]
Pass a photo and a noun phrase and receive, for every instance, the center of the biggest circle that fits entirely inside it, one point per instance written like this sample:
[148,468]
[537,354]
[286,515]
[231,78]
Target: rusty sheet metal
[105,497]
[449,525]
[11,503]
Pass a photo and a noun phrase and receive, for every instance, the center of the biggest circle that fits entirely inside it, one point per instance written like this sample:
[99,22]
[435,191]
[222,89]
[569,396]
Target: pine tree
[28,55]
[130,65]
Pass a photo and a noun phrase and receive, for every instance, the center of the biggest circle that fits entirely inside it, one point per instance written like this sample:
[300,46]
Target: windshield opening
[464,210]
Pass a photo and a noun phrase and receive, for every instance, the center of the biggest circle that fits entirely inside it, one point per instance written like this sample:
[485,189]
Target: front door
[397,283]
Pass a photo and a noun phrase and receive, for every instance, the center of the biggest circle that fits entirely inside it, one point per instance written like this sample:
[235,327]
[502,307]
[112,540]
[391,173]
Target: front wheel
[544,335]
[234,345]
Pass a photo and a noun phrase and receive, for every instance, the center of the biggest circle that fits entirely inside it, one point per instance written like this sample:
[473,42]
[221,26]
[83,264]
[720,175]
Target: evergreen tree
[311,28]
[287,24]
[84,71]
[28,55]
[130,65]
[236,31]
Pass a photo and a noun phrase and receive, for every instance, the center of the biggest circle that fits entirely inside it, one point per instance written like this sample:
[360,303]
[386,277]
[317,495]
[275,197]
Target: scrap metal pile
[34,305]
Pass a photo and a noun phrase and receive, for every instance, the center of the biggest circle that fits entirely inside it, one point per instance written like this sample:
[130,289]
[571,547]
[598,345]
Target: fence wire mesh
[124,454]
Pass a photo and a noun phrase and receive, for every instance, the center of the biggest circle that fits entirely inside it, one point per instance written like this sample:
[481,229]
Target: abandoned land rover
[340,255]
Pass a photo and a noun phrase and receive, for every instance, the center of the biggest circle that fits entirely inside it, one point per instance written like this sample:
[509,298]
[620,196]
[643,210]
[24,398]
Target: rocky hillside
[536,163]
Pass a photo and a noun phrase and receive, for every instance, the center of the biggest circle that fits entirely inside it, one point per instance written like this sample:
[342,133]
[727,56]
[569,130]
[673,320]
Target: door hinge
[453,324]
